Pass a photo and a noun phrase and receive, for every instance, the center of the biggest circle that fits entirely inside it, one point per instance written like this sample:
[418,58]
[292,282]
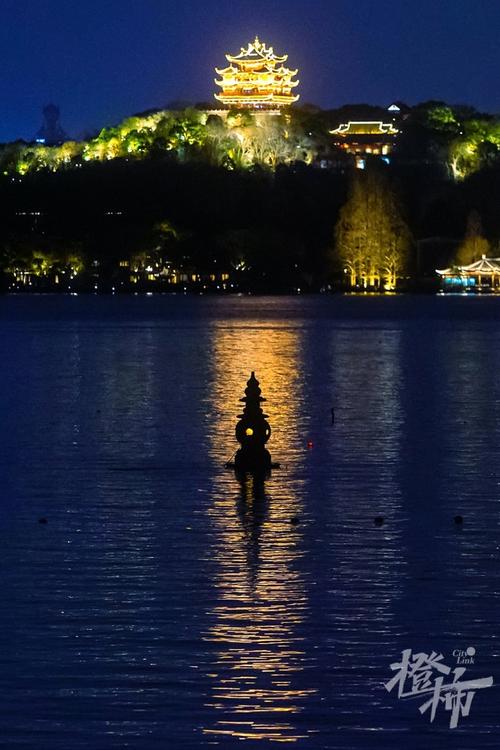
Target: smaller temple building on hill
[481,276]
[256,79]
[365,138]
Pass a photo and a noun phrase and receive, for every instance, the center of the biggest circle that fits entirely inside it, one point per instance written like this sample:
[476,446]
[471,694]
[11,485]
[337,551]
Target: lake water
[164,604]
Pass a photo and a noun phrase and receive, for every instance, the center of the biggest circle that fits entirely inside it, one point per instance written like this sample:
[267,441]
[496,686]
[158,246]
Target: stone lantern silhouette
[252,432]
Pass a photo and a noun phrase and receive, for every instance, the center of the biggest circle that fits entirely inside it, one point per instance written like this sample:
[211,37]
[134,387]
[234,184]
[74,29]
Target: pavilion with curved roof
[483,276]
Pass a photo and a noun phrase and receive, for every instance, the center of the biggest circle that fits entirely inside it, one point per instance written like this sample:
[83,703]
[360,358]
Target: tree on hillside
[372,239]
[477,146]
[475,244]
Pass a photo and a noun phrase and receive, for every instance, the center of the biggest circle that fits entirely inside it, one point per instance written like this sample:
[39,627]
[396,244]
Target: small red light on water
[310,444]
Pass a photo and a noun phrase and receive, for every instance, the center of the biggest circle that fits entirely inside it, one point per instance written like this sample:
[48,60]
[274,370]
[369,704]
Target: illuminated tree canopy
[474,245]
[372,240]
[458,138]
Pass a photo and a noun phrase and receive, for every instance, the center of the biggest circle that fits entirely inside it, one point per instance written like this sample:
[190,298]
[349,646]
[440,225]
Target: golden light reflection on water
[274,354]
[258,681]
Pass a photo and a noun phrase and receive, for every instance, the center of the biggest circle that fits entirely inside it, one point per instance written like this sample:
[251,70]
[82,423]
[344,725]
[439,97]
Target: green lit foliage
[239,140]
[165,239]
[427,133]
[159,251]
[28,262]
[249,139]
[133,137]
[186,135]
[107,145]
[455,137]
[240,118]
[222,147]
[9,157]
[267,144]
[135,143]
[441,118]
[475,245]
[477,146]
[36,157]
[68,153]
[372,240]
[260,140]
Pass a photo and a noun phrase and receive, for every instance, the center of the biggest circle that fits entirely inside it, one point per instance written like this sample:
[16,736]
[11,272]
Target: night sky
[101,60]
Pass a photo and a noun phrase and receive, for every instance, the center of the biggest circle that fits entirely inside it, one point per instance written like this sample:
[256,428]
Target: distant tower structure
[257,78]
[51,132]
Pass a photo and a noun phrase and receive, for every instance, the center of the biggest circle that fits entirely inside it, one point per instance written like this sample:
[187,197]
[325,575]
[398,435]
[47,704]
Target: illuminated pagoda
[257,79]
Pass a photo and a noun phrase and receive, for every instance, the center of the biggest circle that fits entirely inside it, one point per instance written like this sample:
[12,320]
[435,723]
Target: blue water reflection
[164,604]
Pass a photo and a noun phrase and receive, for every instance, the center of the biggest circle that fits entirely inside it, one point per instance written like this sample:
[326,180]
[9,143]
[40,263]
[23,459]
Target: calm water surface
[164,604]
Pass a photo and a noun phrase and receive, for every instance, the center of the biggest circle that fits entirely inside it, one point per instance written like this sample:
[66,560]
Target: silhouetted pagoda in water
[252,432]
[257,79]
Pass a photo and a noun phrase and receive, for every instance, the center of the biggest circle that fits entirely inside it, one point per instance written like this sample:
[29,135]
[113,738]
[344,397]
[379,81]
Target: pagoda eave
[256,101]
[257,60]
[225,71]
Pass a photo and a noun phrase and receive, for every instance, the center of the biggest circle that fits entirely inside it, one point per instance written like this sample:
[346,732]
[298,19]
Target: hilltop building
[365,138]
[51,132]
[256,79]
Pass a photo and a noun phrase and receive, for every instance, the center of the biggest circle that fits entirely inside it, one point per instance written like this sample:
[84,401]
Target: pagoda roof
[257,52]
[483,266]
[365,127]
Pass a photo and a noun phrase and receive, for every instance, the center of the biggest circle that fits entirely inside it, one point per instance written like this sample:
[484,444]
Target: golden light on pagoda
[257,79]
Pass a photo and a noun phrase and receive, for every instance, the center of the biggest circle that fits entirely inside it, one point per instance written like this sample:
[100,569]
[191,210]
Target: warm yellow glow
[259,680]
[365,127]
[249,431]
[256,78]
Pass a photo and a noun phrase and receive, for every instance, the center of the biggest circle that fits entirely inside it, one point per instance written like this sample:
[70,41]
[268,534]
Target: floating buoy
[295,521]
[379,521]
[458,520]
[42,520]
[310,444]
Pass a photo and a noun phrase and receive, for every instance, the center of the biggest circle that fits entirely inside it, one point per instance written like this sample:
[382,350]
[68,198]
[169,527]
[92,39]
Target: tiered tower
[51,132]
[257,79]
[252,432]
